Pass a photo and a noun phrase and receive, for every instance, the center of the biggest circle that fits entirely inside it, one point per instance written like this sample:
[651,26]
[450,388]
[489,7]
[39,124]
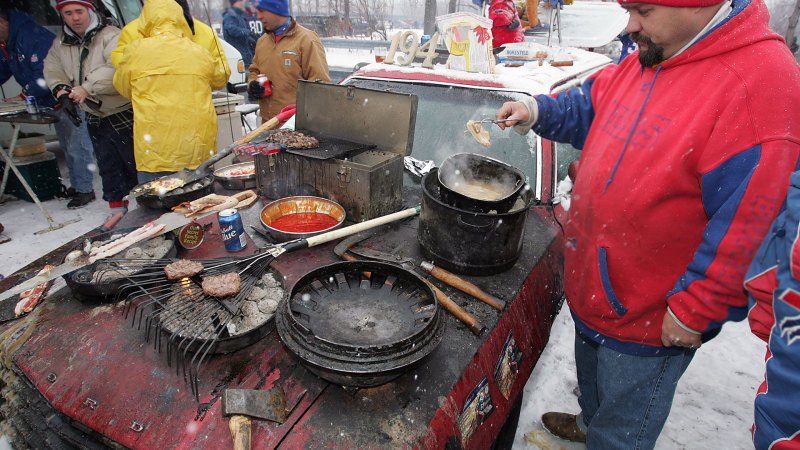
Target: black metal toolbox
[367,182]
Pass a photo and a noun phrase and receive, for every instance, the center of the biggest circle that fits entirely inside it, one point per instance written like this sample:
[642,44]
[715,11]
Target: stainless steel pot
[298,205]
[226,177]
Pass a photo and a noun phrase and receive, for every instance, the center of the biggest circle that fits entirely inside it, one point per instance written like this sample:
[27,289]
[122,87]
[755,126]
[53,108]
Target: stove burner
[359,330]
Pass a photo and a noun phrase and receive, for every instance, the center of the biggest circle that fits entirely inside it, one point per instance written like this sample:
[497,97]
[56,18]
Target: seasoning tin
[30,105]
[191,236]
[232,229]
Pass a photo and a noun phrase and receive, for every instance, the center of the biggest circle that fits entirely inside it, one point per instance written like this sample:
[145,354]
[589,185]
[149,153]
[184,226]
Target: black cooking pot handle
[475,228]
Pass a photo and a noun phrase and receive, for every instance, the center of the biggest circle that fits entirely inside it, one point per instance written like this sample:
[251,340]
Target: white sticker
[287,62]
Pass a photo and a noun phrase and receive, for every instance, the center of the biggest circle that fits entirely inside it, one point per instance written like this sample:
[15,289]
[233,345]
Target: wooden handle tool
[240,427]
[462,285]
[452,307]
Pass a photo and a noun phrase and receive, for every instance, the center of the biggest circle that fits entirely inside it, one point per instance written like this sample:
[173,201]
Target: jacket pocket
[612,298]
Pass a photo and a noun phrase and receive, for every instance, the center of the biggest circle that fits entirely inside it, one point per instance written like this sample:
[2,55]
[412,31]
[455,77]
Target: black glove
[70,109]
[514,24]
[255,90]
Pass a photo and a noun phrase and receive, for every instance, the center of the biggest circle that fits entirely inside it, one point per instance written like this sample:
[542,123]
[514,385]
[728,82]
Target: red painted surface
[303,222]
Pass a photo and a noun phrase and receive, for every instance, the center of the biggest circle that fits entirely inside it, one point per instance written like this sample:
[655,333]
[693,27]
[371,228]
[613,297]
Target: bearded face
[650,54]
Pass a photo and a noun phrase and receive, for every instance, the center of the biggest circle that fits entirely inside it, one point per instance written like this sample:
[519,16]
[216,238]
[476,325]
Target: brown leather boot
[563,425]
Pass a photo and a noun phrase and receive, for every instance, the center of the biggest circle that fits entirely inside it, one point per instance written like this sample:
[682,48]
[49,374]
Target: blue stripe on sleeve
[722,191]
[566,117]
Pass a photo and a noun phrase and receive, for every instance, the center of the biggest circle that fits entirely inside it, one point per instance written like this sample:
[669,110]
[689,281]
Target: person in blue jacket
[23,47]
[241,30]
[773,285]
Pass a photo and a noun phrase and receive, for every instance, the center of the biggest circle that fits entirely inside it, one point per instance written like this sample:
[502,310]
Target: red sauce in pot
[303,222]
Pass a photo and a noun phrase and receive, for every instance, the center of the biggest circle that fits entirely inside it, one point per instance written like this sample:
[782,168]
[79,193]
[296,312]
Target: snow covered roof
[529,76]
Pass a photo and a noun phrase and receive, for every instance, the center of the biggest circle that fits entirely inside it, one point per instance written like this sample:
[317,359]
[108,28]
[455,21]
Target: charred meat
[182,268]
[293,139]
[224,285]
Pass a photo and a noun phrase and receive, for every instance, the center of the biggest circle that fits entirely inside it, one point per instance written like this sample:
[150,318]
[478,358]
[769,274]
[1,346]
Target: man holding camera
[79,72]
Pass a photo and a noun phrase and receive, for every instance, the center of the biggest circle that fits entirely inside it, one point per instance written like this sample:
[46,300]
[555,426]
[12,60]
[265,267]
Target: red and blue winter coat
[506,26]
[684,166]
[773,282]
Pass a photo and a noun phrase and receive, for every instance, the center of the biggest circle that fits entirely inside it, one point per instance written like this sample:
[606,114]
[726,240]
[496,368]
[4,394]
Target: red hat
[62,3]
[675,3]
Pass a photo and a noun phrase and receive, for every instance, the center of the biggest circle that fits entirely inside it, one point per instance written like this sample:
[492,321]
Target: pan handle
[203,168]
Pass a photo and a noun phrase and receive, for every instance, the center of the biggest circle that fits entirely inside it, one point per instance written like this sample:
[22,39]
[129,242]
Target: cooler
[41,173]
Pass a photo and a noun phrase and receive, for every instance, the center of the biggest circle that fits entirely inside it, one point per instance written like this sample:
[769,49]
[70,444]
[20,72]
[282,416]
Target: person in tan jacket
[287,52]
[78,71]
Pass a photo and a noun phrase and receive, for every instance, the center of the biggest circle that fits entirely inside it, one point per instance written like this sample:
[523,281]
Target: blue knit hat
[279,7]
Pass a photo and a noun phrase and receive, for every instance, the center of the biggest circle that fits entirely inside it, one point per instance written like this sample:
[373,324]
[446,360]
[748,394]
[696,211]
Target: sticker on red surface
[191,236]
[476,409]
[507,366]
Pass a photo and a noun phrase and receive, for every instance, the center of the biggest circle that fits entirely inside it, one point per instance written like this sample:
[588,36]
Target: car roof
[531,78]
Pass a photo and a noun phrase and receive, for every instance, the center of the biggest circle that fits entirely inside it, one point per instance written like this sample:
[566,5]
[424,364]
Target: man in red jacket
[688,145]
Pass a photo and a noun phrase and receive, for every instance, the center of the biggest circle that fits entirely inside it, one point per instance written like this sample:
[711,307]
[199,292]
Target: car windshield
[442,115]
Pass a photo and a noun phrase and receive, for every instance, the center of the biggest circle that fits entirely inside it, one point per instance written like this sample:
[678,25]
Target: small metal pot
[298,205]
[236,182]
[478,183]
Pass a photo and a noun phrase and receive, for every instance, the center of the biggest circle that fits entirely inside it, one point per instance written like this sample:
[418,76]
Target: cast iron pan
[175,197]
[81,283]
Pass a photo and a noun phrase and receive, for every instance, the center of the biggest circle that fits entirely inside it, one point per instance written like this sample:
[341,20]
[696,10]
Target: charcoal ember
[182,268]
[293,139]
[224,285]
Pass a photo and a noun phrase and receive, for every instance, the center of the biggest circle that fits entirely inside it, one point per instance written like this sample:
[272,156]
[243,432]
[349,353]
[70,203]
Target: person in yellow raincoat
[202,35]
[169,80]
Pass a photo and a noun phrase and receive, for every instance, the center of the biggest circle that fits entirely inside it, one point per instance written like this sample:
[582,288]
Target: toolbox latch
[343,174]
[272,162]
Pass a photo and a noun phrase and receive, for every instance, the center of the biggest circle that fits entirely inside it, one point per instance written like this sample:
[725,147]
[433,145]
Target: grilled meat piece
[182,268]
[223,285]
[293,139]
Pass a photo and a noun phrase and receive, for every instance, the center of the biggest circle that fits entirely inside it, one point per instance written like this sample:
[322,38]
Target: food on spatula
[293,139]
[223,285]
[479,133]
[159,186]
[30,298]
[182,268]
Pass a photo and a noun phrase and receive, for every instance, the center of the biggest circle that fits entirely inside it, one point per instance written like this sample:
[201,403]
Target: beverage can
[30,105]
[263,80]
[232,229]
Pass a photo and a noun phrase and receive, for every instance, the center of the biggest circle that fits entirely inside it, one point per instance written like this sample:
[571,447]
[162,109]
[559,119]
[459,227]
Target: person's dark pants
[112,138]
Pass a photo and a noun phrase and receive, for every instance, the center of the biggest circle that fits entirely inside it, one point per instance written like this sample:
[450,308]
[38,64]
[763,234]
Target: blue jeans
[624,399]
[78,151]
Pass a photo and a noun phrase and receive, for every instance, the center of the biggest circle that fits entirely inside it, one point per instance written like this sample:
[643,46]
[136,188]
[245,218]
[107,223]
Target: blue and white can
[30,105]
[232,229]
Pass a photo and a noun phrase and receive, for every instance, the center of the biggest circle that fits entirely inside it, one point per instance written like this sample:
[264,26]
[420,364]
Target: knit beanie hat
[279,7]
[675,3]
[62,3]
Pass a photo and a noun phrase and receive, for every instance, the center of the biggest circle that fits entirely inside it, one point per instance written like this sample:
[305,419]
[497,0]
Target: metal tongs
[495,120]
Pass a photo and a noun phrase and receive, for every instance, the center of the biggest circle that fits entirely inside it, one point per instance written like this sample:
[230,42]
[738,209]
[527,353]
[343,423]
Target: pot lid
[364,116]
